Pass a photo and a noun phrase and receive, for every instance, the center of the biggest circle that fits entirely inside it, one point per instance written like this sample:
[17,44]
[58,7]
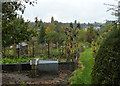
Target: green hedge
[107,61]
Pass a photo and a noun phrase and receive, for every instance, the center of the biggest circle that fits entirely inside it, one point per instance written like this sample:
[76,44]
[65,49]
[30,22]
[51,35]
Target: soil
[43,78]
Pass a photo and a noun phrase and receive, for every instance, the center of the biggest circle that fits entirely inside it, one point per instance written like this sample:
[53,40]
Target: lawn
[83,75]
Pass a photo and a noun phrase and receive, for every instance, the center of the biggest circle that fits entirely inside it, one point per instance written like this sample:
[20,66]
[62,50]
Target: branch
[110,5]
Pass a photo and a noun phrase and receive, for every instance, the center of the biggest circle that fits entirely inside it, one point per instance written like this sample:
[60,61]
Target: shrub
[107,61]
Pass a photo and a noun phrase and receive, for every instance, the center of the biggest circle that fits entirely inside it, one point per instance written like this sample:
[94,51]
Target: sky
[67,11]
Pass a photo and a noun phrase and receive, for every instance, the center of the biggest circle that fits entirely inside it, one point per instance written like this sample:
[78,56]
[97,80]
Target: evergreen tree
[78,25]
[36,21]
[52,19]
[42,34]
[71,25]
[75,22]
[90,35]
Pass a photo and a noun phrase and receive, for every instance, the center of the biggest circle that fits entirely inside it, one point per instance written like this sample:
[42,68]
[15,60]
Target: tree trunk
[48,50]
[18,49]
[3,51]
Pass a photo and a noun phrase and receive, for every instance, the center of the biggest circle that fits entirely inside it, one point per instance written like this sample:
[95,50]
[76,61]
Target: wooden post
[18,50]
[34,70]
[33,50]
[33,64]
[48,50]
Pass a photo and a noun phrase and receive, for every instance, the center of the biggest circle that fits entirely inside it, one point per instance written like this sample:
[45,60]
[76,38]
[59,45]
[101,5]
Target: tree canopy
[14,29]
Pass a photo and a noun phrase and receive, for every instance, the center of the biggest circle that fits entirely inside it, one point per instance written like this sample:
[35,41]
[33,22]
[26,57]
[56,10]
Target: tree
[13,24]
[52,19]
[107,62]
[71,44]
[90,35]
[36,21]
[8,16]
[42,33]
[116,11]
[71,25]
[49,33]
[54,37]
[50,28]
[21,31]
[78,25]
[82,35]
[75,22]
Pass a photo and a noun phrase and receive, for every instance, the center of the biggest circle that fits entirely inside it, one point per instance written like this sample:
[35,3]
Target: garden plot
[24,77]
[65,70]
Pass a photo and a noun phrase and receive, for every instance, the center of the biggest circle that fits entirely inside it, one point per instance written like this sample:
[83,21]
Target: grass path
[83,75]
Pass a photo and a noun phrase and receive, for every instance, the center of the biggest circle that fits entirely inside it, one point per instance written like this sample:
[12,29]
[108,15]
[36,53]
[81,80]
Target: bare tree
[115,11]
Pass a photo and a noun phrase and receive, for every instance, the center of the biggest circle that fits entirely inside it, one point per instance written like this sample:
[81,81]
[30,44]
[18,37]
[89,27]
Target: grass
[83,75]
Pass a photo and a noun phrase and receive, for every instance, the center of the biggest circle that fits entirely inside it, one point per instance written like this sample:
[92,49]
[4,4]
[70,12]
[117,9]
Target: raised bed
[27,66]
[67,66]
[47,66]
[16,67]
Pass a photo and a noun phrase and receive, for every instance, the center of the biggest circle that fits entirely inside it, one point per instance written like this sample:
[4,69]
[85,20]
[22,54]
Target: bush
[107,61]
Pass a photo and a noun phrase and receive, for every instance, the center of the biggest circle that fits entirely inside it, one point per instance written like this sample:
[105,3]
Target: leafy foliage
[42,33]
[102,33]
[78,25]
[90,35]
[107,62]
[71,25]
[12,24]
[71,44]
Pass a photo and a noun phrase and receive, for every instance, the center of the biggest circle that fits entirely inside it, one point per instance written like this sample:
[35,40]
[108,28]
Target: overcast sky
[70,10]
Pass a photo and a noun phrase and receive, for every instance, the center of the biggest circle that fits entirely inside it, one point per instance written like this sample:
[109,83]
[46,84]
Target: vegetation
[65,38]
[107,65]
[64,42]
[14,60]
[24,60]
[83,75]
[90,35]
[14,28]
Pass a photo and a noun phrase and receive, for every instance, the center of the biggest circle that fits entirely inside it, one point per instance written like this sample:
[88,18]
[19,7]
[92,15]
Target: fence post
[33,49]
